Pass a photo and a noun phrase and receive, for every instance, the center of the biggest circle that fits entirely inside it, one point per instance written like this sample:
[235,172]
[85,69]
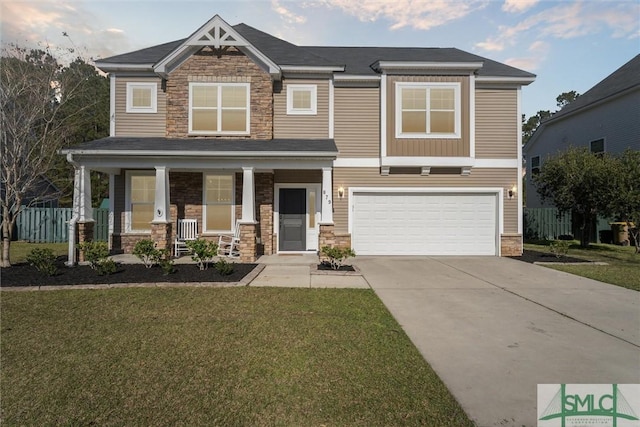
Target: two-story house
[391,151]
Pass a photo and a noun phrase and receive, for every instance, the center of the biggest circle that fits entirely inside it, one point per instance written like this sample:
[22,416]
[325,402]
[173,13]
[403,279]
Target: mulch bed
[325,266]
[535,256]
[26,275]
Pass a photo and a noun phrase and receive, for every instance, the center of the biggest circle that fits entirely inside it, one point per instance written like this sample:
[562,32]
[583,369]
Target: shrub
[165,262]
[202,252]
[223,267]
[106,267]
[146,250]
[94,252]
[43,260]
[559,248]
[337,255]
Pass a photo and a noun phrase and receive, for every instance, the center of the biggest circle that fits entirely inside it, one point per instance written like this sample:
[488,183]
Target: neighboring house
[43,194]
[606,118]
[392,151]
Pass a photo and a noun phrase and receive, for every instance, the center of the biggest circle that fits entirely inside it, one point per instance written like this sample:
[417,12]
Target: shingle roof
[619,81]
[358,60]
[323,147]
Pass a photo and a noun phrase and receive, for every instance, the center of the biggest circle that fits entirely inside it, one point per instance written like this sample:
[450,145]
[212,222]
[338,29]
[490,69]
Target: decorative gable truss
[216,33]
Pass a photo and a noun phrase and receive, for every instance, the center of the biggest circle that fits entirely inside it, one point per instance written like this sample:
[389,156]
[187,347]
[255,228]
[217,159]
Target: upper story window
[142,97]
[218,202]
[597,146]
[535,165]
[219,108]
[302,99]
[428,110]
[141,193]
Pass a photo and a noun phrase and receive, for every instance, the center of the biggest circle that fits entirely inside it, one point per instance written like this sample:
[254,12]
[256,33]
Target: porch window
[428,110]
[219,108]
[302,99]
[142,97]
[142,188]
[218,199]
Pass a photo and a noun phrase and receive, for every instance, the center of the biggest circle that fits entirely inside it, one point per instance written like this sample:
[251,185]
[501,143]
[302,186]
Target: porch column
[85,211]
[248,246]
[327,228]
[327,197]
[82,183]
[161,224]
[248,196]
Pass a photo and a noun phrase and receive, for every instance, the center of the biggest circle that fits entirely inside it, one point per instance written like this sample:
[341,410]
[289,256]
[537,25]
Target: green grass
[206,356]
[18,251]
[623,269]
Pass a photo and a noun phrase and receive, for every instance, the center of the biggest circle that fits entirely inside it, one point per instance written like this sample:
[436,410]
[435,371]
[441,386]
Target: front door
[293,212]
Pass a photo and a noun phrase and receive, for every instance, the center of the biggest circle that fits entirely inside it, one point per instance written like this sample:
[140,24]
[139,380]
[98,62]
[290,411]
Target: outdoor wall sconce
[341,192]
[511,192]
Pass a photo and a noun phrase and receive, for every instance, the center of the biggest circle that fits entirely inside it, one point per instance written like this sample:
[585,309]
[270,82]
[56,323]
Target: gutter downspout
[76,214]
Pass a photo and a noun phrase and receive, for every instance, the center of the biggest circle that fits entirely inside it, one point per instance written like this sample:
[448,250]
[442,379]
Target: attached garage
[424,223]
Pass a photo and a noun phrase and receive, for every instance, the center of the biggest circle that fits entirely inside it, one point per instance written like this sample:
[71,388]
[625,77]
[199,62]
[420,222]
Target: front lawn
[18,251]
[623,269]
[211,356]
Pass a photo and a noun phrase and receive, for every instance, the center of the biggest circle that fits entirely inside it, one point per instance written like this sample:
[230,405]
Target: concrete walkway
[493,328]
[299,271]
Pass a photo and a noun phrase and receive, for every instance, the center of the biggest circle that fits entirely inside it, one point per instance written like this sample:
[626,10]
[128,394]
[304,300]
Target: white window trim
[313,110]
[219,85]
[427,85]
[153,87]
[204,202]
[127,198]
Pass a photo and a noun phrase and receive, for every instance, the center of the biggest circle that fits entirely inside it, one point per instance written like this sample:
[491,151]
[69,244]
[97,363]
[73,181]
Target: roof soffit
[216,33]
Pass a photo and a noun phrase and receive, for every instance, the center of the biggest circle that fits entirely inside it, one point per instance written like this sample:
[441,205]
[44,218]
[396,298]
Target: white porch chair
[229,245]
[187,230]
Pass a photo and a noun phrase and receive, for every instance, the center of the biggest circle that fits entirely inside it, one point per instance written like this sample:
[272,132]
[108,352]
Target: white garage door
[424,224]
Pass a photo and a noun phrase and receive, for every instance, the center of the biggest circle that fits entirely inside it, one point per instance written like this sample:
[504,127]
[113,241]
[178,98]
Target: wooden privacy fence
[51,225]
[546,223]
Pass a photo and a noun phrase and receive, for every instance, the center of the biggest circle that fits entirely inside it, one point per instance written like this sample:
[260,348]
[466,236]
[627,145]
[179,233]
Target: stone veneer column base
[511,244]
[161,234]
[248,245]
[85,234]
[327,238]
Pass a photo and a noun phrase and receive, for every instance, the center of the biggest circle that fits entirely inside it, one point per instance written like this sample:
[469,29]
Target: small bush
[337,255]
[106,267]
[146,250]
[223,267]
[560,248]
[202,252]
[43,260]
[94,252]
[165,262]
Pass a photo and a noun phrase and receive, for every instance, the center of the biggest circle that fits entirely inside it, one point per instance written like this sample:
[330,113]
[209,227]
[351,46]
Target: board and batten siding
[139,124]
[449,147]
[357,121]
[301,126]
[496,124]
[370,177]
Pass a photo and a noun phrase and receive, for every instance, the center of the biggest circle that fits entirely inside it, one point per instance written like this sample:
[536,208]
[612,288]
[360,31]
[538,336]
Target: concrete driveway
[493,328]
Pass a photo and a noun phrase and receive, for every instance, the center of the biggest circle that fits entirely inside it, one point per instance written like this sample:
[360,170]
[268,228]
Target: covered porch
[278,193]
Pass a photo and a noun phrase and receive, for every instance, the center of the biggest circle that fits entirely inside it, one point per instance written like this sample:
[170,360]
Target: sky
[568,44]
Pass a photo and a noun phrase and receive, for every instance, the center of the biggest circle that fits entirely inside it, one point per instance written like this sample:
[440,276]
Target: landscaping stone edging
[244,282]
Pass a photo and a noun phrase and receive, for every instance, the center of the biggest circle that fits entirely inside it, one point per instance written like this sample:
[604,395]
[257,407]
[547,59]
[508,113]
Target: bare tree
[35,121]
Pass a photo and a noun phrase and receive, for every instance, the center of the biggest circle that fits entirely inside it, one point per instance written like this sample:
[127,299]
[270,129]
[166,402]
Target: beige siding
[137,124]
[449,147]
[301,126]
[496,123]
[357,121]
[297,176]
[370,177]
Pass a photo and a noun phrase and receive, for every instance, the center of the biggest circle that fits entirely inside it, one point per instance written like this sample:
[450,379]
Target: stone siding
[264,205]
[227,66]
[85,234]
[511,244]
[247,242]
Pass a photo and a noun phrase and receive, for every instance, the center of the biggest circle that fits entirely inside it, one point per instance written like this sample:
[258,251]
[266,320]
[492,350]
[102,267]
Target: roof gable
[217,34]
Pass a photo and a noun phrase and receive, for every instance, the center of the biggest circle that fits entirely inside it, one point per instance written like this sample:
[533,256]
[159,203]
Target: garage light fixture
[511,192]
[341,192]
